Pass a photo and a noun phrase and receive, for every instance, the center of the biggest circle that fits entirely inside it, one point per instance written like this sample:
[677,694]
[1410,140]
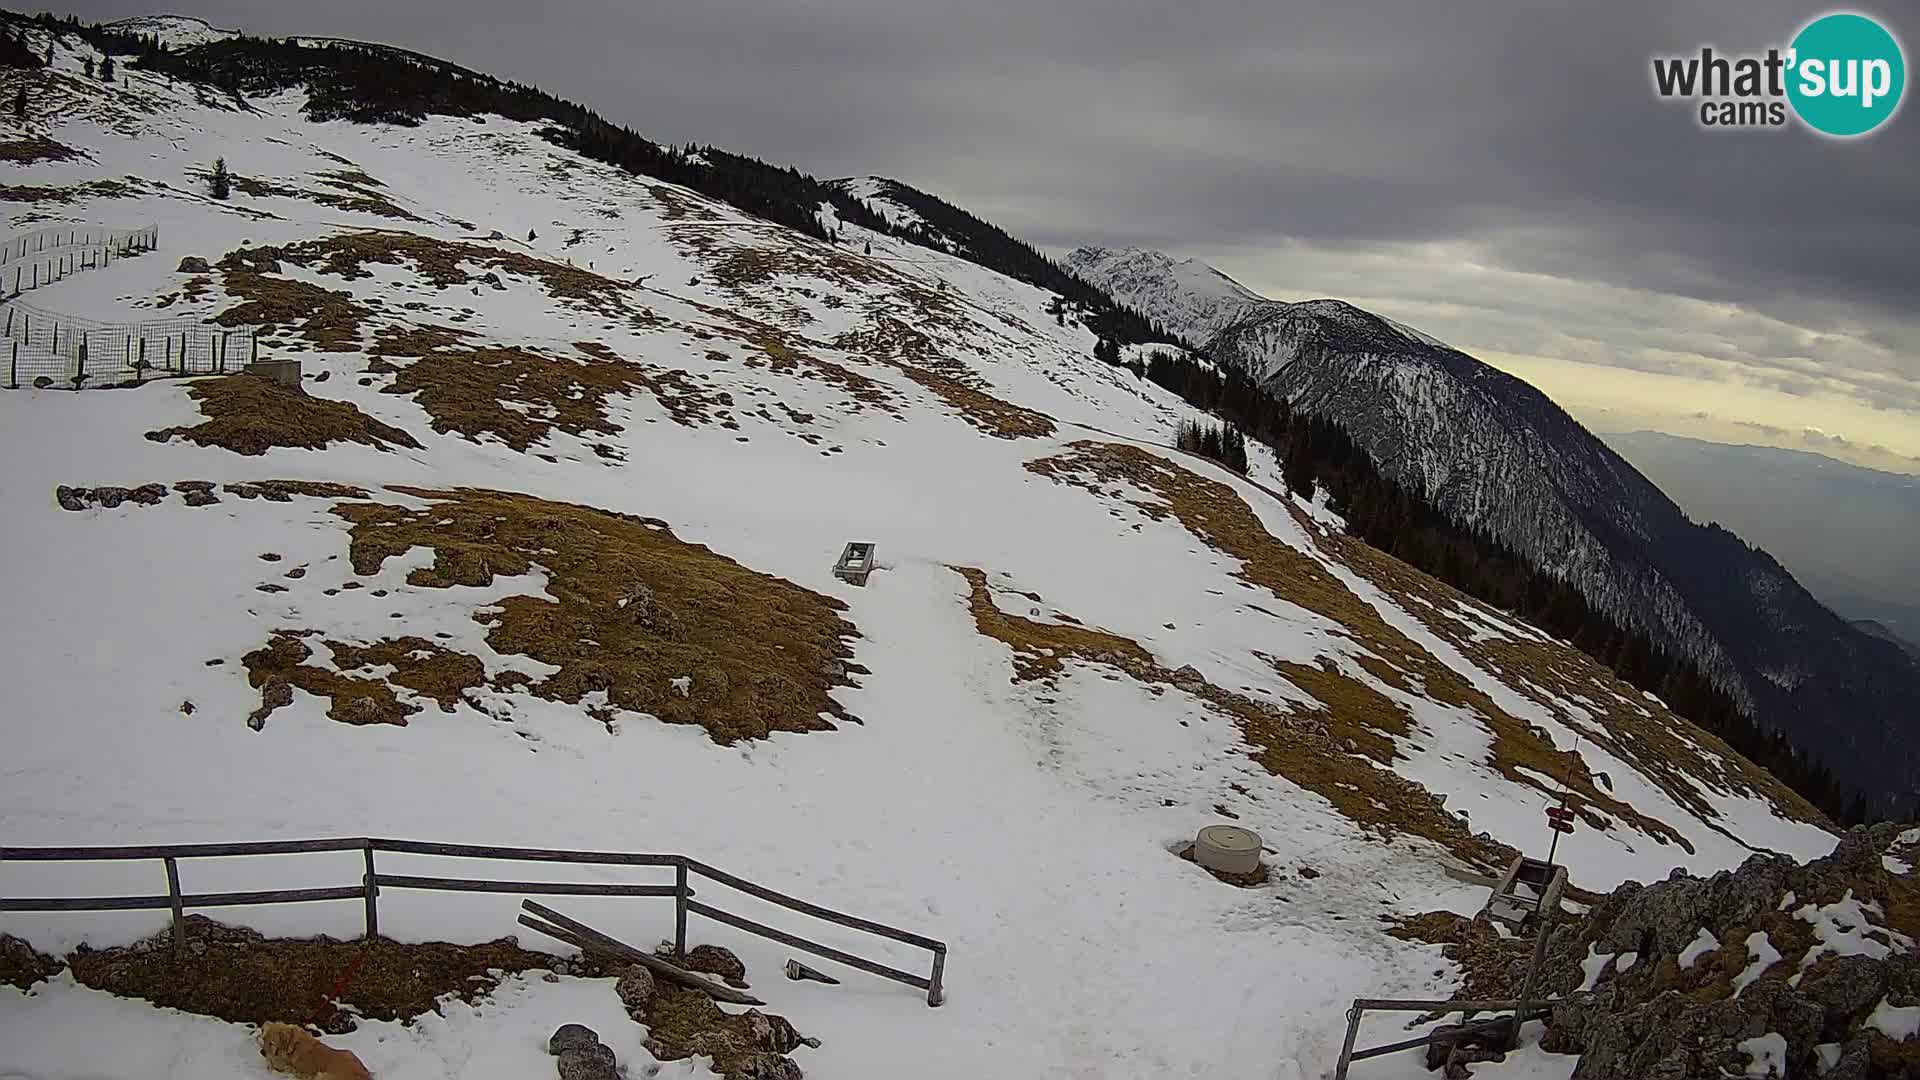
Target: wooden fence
[372,881]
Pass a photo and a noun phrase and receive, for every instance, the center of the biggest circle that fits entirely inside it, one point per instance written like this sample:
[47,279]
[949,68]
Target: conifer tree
[89,67]
[220,185]
[106,68]
[20,103]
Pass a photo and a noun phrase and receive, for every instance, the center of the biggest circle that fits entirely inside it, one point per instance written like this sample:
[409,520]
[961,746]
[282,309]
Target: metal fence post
[179,911]
[680,910]
[373,893]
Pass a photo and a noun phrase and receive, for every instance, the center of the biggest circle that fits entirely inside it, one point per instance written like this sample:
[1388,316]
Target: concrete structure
[284,372]
[1228,849]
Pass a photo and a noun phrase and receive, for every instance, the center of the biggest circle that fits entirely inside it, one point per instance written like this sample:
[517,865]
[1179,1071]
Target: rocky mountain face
[1498,456]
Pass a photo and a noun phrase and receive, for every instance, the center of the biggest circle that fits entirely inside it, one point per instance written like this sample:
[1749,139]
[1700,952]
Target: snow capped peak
[1187,296]
[178,31]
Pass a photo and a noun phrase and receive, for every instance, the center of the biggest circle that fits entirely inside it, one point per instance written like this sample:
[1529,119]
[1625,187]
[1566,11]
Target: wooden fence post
[13,369]
[220,364]
[373,893]
[254,338]
[936,995]
[179,912]
[680,910]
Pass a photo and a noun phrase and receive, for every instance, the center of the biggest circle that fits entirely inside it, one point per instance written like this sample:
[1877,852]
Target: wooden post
[1346,1051]
[13,369]
[373,893]
[222,365]
[680,910]
[935,994]
[179,912]
[255,340]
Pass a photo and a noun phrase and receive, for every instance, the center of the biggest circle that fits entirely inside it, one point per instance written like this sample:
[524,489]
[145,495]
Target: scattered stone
[635,990]
[110,497]
[713,960]
[200,498]
[323,376]
[594,1062]
[187,707]
[270,587]
[70,498]
[572,1037]
[297,572]
[269,556]
[149,494]
[42,383]
[216,662]
[194,264]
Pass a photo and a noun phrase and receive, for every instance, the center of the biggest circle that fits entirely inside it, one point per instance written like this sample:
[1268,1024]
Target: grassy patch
[351,197]
[249,414]
[448,263]
[631,610]
[1665,748]
[1212,512]
[682,1023]
[514,394]
[280,665]
[240,976]
[32,148]
[21,966]
[918,356]
[331,321]
[1298,748]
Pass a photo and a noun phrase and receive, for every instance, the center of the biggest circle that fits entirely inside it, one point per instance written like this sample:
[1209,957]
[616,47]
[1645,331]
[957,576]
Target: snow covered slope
[1496,454]
[548,562]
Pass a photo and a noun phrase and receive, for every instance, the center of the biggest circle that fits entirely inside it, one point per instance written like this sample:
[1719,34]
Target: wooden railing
[372,881]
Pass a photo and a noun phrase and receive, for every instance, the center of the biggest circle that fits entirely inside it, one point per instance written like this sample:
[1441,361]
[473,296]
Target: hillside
[1503,460]
[540,553]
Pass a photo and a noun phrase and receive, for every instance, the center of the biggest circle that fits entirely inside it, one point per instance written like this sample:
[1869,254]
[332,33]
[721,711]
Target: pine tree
[49,54]
[20,104]
[89,67]
[220,185]
[106,68]
[866,248]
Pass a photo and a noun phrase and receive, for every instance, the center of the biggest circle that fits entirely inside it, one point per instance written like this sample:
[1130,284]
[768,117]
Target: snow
[1028,825]
[1847,927]
[1766,1055]
[1702,944]
[1762,956]
[1593,967]
[1897,1022]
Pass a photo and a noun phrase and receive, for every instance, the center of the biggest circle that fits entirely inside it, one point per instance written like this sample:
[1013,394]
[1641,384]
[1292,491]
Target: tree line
[1318,455]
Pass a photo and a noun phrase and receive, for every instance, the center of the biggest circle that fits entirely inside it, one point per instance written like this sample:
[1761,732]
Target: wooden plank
[177,851]
[815,910]
[479,851]
[784,938]
[189,900]
[597,941]
[179,909]
[542,888]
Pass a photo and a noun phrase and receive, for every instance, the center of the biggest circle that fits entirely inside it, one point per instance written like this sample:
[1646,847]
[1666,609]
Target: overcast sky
[1498,174]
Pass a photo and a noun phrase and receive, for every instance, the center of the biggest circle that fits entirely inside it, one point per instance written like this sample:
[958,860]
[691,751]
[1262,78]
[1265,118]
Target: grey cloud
[1525,137]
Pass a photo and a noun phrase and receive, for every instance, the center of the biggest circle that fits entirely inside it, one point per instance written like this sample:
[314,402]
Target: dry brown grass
[445,264]
[1212,512]
[32,148]
[1297,748]
[281,664]
[472,390]
[356,199]
[918,355]
[21,965]
[682,1023]
[630,609]
[331,321]
[250,414]
[1660,745]
[242,977]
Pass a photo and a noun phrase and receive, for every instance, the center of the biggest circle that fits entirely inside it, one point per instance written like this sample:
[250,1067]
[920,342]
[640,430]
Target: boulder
[194,264]
[635,990]
[572,1037]
[594,1062]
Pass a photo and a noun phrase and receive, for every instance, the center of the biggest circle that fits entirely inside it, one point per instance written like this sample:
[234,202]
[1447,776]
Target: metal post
[680,910]
[935,994]
[179,912]
[373,893]
[1346,1051]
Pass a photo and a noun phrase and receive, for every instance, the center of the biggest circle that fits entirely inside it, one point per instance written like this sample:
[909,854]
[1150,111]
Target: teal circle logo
[1846,74]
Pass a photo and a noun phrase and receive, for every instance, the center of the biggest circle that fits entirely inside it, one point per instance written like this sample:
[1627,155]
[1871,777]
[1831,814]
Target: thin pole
[373,893]
[179,912]
[935,994]
[680,910]
[1346,1052]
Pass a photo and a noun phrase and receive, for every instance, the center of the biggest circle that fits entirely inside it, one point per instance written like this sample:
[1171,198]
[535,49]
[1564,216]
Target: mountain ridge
[1498,455]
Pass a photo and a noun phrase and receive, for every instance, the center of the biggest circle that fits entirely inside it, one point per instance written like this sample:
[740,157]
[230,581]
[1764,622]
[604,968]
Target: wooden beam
[595,941]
